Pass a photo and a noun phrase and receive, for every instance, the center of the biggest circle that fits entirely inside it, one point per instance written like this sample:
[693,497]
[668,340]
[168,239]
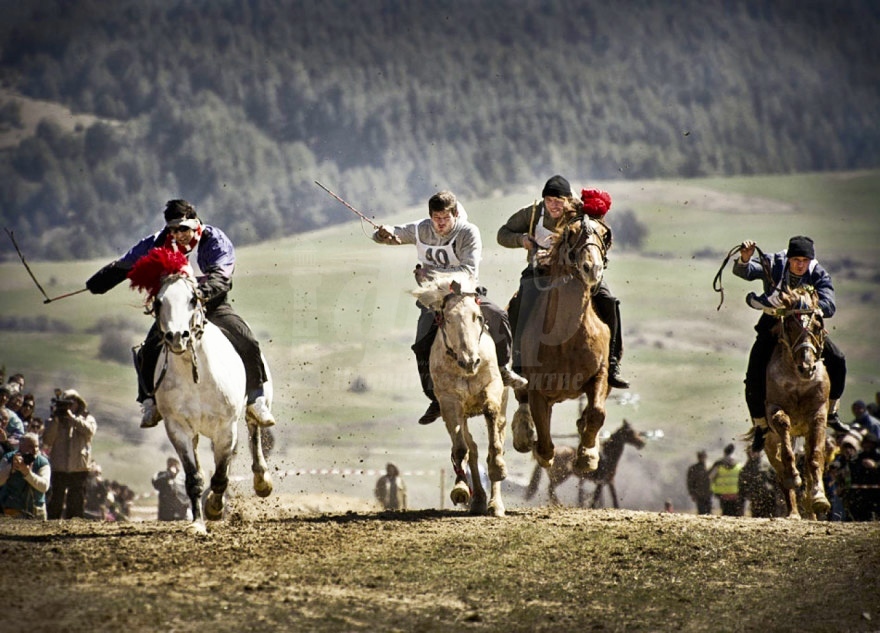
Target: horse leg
[187,451]
[461,492]
[597,497]
[540,409]
[814,465]
[613,495]
[582,493]
[497,468]
[224,448]
[479,499]
[262,479]
[589,423]
[780,422]
[772,449]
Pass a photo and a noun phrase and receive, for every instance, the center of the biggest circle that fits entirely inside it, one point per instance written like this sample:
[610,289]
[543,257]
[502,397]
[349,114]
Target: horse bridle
[196,328]
[566,255]
[440,319]
[806,338]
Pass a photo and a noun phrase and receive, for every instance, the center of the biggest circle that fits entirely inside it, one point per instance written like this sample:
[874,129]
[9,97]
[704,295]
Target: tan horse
[797,401]
[609,458]
[565,346]
[467,383]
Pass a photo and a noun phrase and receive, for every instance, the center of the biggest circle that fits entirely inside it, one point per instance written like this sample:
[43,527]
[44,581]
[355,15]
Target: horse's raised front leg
[224,448]
[540,409]
[589,423]
[262,479]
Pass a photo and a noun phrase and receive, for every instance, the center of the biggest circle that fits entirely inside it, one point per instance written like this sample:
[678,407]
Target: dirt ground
[299,565]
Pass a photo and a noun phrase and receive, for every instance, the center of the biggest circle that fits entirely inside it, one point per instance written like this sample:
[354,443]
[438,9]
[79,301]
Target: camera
[28,458]
[61,406]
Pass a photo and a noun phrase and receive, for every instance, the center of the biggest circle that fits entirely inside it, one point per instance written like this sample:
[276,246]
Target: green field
[332,306]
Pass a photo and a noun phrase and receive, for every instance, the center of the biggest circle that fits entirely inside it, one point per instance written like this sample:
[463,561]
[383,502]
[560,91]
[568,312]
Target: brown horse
[565,345]
[797,400]
[467,383]
[609,457]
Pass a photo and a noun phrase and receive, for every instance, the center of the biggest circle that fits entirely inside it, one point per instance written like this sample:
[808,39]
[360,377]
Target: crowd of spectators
[46,465]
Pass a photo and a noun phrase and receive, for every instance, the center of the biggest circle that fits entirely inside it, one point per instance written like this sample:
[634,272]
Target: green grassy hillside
[330,307]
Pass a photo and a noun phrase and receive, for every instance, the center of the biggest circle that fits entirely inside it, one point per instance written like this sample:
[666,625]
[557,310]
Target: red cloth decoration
[596,202]
[149,271]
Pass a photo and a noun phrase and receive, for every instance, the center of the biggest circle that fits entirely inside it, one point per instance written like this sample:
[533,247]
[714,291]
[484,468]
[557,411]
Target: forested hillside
[240,105]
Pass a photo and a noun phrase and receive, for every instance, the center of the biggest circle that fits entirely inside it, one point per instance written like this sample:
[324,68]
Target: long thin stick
[351,208]
[31,273]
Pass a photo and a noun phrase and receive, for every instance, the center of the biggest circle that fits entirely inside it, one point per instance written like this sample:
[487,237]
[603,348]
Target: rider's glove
[771,305]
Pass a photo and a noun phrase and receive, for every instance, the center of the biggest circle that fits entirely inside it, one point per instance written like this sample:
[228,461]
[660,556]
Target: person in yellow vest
[724,475]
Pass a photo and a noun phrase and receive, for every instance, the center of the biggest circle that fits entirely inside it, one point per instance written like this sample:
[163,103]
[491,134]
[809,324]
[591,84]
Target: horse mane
[432,293]
[150,270]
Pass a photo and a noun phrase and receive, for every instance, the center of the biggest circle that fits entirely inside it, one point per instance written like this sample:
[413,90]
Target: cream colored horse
[467,383]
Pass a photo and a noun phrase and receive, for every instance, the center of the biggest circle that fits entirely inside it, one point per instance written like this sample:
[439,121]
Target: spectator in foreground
[69,442]
[24,479]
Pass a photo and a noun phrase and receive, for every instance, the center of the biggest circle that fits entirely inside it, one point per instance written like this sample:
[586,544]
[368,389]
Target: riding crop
[31,273]
[355,211]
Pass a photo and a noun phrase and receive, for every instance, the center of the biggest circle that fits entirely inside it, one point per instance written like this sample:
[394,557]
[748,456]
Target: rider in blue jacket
[793,267]
[215,257]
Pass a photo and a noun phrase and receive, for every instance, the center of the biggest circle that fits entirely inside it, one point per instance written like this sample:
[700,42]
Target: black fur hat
[801,246]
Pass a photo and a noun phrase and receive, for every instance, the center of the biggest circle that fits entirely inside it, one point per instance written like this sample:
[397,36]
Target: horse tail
[533,482]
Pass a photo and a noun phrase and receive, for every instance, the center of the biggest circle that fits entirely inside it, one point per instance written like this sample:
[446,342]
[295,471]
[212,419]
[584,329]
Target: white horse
[467,383]
[200,391]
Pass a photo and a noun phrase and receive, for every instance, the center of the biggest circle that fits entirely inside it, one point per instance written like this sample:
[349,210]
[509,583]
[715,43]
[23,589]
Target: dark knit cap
[801,246]
[557,187]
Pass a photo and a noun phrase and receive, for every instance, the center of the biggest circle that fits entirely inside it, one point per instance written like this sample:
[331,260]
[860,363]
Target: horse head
[167,278]
[801,329]
[631,436]
[453,297]
[179,313]
[580,251]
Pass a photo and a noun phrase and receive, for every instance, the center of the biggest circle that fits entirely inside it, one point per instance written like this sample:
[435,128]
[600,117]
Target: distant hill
[240,106]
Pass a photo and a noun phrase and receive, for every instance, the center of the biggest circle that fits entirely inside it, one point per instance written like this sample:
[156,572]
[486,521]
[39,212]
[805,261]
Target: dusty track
[280,569]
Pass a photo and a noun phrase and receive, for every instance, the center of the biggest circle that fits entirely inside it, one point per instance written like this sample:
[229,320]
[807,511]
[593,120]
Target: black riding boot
[608,309]
[422,350]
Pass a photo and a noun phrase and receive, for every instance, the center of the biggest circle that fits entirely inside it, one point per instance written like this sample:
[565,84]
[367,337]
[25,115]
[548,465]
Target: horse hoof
[214,507]
[820,504]
[587,460]
[496,509]
[524,435]
[197,528]
[262,485]
[460,495]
